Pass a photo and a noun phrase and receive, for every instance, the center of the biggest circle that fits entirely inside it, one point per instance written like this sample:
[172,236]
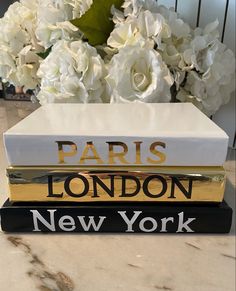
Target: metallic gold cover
[92,184]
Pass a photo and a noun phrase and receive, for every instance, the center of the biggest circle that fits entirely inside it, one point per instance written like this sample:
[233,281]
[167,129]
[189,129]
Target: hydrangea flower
[73,72]
[19,61]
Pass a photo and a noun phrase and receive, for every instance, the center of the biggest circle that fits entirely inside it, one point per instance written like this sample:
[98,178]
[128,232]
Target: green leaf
[96,23]
[43,55]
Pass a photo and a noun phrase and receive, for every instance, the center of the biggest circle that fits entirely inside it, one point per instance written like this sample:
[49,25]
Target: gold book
[139,183]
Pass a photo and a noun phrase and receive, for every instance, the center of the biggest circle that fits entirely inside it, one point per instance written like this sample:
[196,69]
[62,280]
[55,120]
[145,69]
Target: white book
[116,134]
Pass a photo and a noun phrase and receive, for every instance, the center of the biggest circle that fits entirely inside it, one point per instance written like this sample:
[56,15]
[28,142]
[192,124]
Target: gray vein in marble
[134,265]
[48,281]
[192,245]
[163,288]
[229,256]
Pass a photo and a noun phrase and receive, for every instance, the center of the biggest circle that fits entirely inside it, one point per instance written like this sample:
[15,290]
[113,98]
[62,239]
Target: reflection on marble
[73,262]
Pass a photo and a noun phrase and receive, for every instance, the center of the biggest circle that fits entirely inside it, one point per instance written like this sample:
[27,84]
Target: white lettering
[164,223]
[152,220]
[68,225]
[37,216]
[184,225]
[128,221]
[91,223]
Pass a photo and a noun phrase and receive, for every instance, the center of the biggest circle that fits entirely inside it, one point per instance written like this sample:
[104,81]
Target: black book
[1,89]
[116,217]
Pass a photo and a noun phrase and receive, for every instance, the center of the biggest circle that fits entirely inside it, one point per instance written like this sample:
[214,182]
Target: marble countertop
[81,262]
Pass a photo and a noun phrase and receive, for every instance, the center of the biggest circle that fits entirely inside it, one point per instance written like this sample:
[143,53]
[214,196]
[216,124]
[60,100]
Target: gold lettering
[62,154]
[160,155]
[138,152]
[90,147]
[119,155]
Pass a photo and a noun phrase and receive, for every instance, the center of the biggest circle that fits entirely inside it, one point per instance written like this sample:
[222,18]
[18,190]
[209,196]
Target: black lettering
[124,186]
[97,181]
[84,181]
[176,182]
[146,186]
[50,188]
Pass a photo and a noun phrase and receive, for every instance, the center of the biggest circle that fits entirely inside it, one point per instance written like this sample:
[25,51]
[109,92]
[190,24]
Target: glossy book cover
[119,217]
[116,134]
[91,184]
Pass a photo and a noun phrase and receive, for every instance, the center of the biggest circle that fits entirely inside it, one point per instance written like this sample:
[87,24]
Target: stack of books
[116,168]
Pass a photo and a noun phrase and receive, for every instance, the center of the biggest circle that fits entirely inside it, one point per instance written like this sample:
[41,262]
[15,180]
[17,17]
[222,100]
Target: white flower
[7,65]
[185,96]
[213,88]
[118,15]
[146,29]
[22,12]
[132,7]
[49,34]
[73,72]
[13,36]
[27,67]
[125,34]
[171,55]
[79,7]
[18,44]
[137,73]
[152,25]
[54,20]
[23,15]
[20,71]
[212,70]
[211,31]
[16,27]
[50,13]
[178,27]
[203,48]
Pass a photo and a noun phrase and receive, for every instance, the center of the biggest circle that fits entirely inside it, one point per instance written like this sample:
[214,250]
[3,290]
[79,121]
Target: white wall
[225,117]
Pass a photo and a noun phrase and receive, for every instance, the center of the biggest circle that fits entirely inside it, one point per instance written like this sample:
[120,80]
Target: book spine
[177,184]
[1,89]
[123,219]
[74,150]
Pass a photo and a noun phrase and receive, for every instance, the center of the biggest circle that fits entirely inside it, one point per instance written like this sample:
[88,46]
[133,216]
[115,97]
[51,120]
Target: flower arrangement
[113,51]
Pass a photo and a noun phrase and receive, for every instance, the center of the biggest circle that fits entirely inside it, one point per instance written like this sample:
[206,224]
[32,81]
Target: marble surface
[113,262]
